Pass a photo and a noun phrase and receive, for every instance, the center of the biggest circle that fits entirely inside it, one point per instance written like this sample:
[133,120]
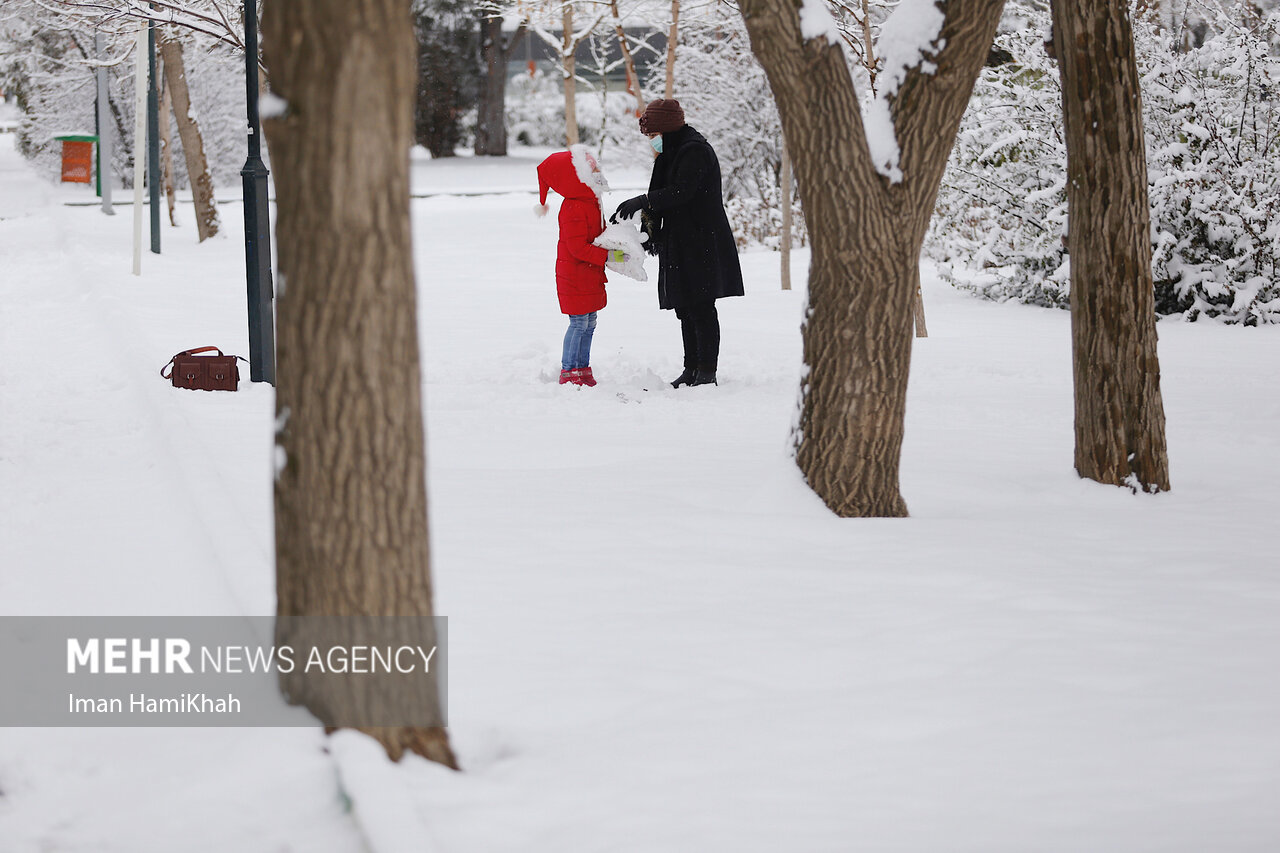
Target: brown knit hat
[662,116]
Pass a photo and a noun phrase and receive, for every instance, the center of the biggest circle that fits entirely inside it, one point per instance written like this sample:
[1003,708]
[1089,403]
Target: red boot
[585,377]
[575,376]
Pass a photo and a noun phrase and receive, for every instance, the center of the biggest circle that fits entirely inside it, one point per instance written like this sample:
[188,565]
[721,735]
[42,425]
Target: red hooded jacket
[580,274]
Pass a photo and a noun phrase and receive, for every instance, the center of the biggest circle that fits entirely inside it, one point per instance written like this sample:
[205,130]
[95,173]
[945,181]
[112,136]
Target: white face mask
[656,142]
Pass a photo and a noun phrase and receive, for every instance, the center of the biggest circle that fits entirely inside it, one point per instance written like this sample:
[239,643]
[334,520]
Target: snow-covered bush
[535,113]
[1213,131]
[1213,159]
[757,219]
[726,96]
[1002,207]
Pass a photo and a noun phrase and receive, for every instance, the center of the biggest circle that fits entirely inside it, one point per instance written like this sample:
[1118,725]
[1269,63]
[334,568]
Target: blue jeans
[577,341]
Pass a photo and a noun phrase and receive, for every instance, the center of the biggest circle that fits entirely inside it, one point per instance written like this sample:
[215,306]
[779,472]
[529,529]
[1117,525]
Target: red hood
[565,172]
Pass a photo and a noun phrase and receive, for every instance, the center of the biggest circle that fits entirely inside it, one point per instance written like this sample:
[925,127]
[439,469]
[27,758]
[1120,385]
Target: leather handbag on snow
[203,372]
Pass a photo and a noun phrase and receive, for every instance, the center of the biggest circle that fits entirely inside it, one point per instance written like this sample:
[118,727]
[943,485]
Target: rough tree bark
[866,235]
[1119,413]
[175,74]
[350,499]
[491,114]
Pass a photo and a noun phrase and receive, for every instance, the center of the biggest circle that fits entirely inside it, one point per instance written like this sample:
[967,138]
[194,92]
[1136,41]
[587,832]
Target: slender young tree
[175,76]
[1119,412]
[628,60]
[350,497]
[673,36]
[568,55]
[866,228]
[565,43]
[166,151]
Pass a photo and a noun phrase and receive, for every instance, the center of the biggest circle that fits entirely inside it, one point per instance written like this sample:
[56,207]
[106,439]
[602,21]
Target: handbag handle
[187,352]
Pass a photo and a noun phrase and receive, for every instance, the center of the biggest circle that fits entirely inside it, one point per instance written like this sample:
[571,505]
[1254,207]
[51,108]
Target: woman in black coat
[683,214]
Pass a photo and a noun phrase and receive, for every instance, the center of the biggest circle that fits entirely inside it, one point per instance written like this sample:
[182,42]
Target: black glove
[630,208]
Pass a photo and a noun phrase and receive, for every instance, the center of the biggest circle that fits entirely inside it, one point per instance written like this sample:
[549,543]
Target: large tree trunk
[866,236]
[175,74]
[1119,421]
[491,115]
[350,497]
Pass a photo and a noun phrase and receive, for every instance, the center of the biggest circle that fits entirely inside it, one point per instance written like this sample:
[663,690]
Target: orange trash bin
[77,159]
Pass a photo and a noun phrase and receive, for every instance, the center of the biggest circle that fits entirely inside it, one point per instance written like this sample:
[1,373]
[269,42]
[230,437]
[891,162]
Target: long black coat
[697,256]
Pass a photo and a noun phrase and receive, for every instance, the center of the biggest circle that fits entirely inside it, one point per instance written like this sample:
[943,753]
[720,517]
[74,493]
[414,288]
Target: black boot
[705,376]
[685,378]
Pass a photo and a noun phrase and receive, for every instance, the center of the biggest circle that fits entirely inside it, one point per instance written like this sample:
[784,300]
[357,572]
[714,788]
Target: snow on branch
[212,18]
[907,40]
[816,22]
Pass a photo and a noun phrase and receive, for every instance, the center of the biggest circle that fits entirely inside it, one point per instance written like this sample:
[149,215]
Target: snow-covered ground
[660,639]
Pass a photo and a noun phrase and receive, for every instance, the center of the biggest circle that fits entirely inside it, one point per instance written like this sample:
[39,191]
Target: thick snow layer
[816,22]
[120,497]
[882,139]
[908,36]
[661,640]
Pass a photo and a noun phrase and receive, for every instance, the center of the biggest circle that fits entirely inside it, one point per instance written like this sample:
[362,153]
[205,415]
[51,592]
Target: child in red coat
[580,277]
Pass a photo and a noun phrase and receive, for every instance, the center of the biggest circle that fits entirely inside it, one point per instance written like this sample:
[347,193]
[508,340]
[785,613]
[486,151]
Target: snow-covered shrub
[1213,131]
[535,112]
[726,96]
[1213,159]
[1002,207]
[757,219]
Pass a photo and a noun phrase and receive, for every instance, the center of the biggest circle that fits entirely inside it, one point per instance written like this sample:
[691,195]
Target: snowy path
[121,497]
[660,640]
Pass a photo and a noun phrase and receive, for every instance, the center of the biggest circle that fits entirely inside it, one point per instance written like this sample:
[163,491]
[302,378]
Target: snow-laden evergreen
[1213,138]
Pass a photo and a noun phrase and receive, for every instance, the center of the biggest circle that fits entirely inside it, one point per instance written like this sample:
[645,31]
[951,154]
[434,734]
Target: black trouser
[700,328]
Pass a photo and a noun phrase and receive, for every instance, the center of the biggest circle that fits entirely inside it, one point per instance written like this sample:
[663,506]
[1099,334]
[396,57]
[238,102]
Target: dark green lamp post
[257,220]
